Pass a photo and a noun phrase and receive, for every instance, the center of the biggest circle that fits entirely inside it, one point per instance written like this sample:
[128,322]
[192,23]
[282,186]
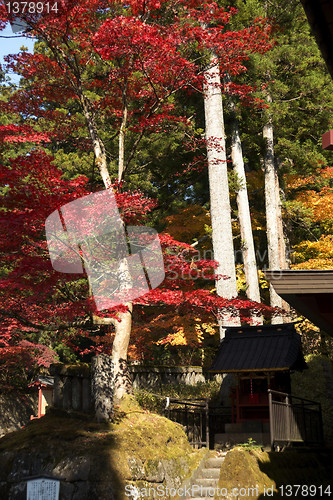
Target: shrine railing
[200,421]
[294,420]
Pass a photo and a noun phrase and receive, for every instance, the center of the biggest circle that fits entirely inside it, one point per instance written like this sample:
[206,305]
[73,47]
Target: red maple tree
[36,298]
[125,60]
[118,64]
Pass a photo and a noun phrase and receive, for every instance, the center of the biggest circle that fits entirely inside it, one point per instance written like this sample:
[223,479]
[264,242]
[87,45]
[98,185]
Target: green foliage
[301,219]
[314,384]
[249,445]
[235,183]
[294,76]
[155,399]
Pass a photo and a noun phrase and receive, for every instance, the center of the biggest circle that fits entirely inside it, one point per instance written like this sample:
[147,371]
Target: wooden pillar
[40,395]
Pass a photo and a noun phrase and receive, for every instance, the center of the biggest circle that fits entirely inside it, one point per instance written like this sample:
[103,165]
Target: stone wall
[155,376]
[86,476]
[72,387]
[16,409]
[72,384]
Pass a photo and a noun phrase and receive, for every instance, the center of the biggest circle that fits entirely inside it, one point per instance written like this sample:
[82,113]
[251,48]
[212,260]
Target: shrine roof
[43,381]
[259,348]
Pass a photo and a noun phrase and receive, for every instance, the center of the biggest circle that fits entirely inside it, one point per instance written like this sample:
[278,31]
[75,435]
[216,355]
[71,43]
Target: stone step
[201,498]
[203,491]
[210,473]
[203,485]
[214,463]
[205,482]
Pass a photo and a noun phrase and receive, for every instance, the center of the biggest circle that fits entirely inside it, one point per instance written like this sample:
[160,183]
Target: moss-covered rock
[241,471]
[255,474]
[138,448]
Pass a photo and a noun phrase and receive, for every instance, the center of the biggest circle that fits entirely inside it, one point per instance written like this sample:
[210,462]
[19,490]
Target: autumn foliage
[313,197]
[36,298]
[111,70]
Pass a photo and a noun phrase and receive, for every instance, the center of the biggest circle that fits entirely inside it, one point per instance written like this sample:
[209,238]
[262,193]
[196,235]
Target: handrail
[272,391]
[188,402]
[197,418]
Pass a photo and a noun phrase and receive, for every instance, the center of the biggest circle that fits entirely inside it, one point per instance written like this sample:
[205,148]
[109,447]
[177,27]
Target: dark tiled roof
[320,17]
[309,291]
[272,347]
[44,380]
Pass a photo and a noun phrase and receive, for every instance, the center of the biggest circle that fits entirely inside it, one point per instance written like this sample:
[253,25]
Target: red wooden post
[40,401]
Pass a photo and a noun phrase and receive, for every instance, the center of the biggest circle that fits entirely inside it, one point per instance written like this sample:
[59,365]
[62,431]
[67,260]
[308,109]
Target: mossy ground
[258,470]
[135,436]
[141,433]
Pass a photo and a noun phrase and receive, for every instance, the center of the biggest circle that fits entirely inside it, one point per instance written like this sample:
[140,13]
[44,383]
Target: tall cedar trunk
[273,211]
[220,209]
[122,380]
[283,244]
[121,147]
[244,216]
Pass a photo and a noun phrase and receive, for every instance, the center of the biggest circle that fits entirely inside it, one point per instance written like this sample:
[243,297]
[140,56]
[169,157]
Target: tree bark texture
[220,209]
[121,142]
[98,146]
[244,219]
[102,385]
[122,379]
[273,211]
[244,216]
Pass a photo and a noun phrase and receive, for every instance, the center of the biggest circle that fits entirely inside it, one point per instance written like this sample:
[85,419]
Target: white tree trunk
[98,146]
[272,197]
[122,380]
[283,245]
[121,143]
[244,217]
[220,209]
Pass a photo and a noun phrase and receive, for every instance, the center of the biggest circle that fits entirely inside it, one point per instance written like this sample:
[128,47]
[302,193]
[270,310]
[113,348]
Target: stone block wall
[155,376]
[16,409]
[92,476]
[72,387]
